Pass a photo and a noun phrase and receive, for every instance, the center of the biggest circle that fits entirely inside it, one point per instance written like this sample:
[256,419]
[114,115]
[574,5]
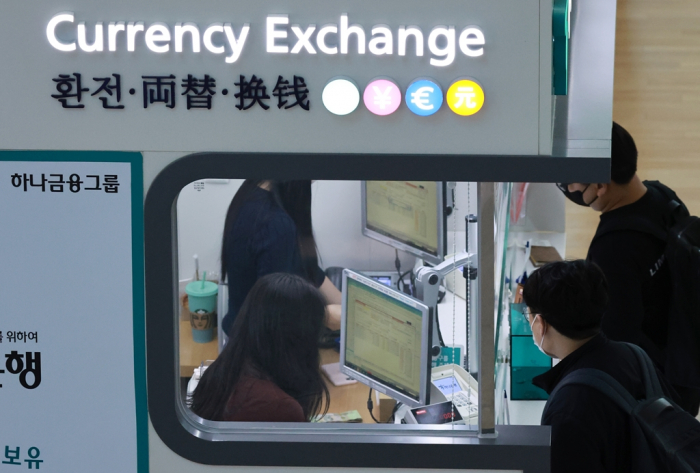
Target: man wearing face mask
[639,282]
[590,433]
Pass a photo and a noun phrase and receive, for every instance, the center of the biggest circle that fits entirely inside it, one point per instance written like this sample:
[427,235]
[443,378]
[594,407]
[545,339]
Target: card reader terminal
[450,386]
[452,383]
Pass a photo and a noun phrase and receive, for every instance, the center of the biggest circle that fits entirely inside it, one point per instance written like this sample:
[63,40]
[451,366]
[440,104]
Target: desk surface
[192,354]
[349,397]
[354,396]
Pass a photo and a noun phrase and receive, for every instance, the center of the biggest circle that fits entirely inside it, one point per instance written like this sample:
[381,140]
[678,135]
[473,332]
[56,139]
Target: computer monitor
[408,215]
[385,339]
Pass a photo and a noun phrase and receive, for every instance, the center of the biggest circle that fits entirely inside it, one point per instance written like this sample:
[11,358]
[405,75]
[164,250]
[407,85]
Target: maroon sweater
[258,400]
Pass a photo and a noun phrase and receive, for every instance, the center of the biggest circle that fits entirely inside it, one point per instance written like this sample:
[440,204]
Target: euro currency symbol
[421,98]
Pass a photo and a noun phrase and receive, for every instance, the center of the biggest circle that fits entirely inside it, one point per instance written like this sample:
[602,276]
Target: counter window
[314,314]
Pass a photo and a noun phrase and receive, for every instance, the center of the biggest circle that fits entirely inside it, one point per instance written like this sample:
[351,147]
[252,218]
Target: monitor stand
[428,280]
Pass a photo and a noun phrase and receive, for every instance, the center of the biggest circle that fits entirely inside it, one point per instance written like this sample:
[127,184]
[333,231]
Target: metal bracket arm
[428,278]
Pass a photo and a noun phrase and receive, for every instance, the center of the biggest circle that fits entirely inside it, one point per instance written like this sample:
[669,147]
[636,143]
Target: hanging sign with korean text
[259,76]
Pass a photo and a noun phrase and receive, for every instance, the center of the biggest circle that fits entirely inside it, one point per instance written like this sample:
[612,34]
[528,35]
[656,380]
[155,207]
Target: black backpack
[664,438]
[681,233]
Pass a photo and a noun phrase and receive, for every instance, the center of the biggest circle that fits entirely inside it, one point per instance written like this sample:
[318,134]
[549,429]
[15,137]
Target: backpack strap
[675,211]
[668,193]
[652,385]
[610,387]
[600,381]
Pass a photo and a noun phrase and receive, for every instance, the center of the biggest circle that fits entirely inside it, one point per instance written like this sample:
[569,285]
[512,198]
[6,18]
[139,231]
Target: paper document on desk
[347,417]
[332,372]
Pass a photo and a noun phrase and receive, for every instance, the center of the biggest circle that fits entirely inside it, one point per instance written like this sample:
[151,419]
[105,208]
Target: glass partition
[502,224]
[175,230]
[207,291]
[536,220]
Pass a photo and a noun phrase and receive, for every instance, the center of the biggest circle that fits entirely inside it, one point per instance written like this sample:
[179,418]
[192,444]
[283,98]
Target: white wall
[336,213]
[201,211]
[544,210]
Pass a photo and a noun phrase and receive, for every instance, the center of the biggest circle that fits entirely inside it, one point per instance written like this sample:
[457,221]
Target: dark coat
[589,432]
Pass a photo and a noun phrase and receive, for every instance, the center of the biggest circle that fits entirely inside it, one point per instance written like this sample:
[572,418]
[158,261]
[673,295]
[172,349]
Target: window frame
[314,445]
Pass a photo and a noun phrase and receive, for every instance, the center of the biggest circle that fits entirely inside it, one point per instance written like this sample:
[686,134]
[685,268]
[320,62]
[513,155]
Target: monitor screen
[386,280]
[384,339]
[408,215]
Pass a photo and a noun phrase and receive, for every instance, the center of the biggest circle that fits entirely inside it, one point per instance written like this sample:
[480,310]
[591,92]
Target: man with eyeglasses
[632,257]
[565,305]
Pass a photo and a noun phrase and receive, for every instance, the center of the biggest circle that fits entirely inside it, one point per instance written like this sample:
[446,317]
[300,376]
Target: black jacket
[639,283]
[589,432]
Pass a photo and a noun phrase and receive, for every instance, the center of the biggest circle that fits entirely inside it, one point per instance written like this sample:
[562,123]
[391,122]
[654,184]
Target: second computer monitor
[384,339]
[408,215]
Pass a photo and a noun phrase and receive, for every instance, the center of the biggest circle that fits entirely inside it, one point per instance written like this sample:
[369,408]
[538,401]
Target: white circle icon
[341,96]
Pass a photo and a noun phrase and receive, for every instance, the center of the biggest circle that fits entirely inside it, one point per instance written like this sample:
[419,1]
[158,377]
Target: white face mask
[538,345]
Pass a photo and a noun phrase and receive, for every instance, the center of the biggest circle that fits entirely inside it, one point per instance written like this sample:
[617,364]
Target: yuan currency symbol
[465,96]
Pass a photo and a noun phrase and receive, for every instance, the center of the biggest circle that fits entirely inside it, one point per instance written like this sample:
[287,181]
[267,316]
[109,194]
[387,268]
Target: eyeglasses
[527,313]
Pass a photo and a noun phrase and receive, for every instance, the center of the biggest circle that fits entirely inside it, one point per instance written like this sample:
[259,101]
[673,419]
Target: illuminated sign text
[281,37]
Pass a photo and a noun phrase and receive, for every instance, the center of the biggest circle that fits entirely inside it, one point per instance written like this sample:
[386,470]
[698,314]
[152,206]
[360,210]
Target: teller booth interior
[404,255]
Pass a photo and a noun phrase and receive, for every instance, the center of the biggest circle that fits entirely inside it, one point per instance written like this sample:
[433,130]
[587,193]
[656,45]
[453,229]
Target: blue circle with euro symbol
[424,97]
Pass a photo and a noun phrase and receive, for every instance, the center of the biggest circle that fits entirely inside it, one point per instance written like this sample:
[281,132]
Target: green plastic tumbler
[202,301]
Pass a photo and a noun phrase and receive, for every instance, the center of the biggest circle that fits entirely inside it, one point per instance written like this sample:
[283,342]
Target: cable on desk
[437,322]
[370,407]
[400,283]
[397,264]
[392,417]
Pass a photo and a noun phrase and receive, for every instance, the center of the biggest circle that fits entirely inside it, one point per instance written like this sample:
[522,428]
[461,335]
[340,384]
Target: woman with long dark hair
[268,229]
[269,370]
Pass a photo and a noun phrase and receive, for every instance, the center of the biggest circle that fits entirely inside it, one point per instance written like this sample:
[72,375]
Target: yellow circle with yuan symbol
[465,97]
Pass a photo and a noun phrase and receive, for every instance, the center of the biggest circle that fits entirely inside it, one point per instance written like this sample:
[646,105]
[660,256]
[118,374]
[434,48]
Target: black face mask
[577,196]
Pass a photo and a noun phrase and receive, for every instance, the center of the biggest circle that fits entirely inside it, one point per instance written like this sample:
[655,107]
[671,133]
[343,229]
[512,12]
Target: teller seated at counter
[269,370]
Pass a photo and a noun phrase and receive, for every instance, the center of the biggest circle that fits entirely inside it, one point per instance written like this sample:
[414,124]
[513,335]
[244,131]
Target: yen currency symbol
[382,97]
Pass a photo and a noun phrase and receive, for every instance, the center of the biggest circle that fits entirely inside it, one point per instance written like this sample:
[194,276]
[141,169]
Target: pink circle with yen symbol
[382,97]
